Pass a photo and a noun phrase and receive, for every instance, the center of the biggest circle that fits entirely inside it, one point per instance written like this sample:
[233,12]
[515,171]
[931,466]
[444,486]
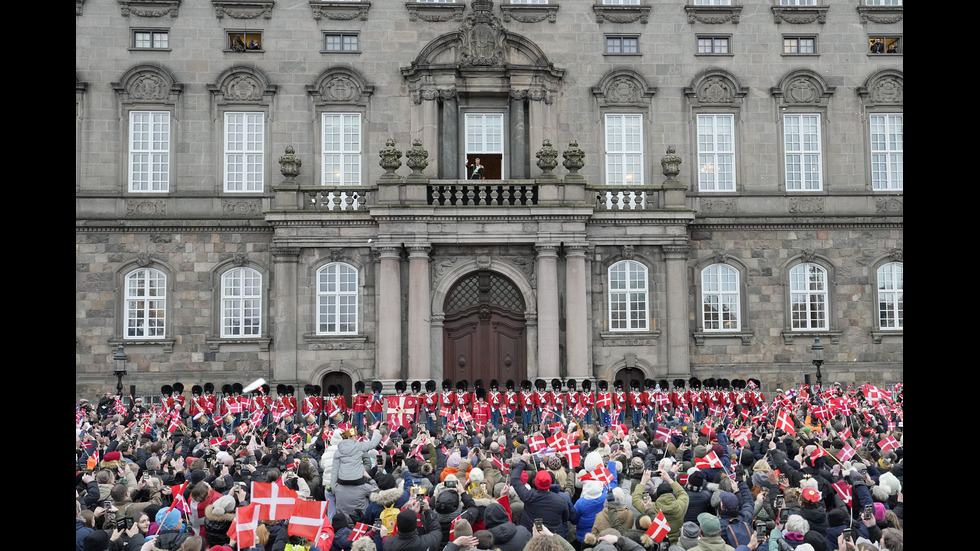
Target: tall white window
[337,299]
[244,151]
[720,298]
[624,150]
[716,152]
[891,309]
[621,2]
[883,2]
[241,303]
[149,151]
[528,1]
[341,149]
[808,296]
[145,306]
[886,151]
[628,304]
[798,2]
[712,2]
[801,140]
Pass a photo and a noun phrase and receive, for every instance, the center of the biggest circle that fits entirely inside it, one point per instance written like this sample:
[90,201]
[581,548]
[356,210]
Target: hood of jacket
[209,514]
[385,498]
[495,515]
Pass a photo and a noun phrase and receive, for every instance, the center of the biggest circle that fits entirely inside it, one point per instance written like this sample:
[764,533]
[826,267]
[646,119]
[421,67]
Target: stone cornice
[799,15]
[340,11]
[149,8]
[713,15]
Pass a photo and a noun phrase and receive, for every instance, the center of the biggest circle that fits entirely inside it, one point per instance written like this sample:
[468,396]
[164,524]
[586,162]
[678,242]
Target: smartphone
[760,531]
[450,483]
[847,534]
[106,504]
[778,502]
[121,524]
[869,512]
[538,525]
[377,526]
[783,516]
[646,496]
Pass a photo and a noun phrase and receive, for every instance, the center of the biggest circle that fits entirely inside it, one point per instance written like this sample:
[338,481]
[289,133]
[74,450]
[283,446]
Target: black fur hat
[556,384]
[209,387]
[416,386]
[694,382]
[376,386]
[679,383]
[400,386]
[178,388]
[570,384]
[166,390]
[586,384]
[540,384]
[196,390]
[281,389]
[604,385]
[493,384]
[510,384]
[447,384]
[359,386]
[430,385]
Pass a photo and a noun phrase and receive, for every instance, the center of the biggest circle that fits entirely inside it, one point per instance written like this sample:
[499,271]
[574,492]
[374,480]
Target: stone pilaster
[419,312]
[547,279]
[389,339]
[576,313]
[285,264]
[678,324]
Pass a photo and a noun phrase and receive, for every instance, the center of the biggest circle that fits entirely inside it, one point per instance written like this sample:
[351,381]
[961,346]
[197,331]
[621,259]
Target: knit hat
[710,524]
[407,521]
[198,475]
[696,479]
[719,450]
[221,548]
[620,497]
[223,505]
[879,511]
[495,515]
[700,451]
[453,461]
[662,489]
[167,519]
[385,481]
[463,451]
[890,482]
[554,463]
[729,501]
[462,528]
[816,540]
[761,465]
[592,489]
[339,521]
[642,446]
[542,480]
[96,541]
[447,502]
[691,530]
[484,539]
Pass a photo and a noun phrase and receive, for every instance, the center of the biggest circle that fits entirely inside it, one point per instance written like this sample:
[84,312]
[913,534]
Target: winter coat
[379,500]
[673,505]
[698,502]
[613,516]
[507,536]
[170,540]
[216,526]
[347,462]
[551,505]
[712,543]
[737,524]
[584,513]
[422,539]
[352,497]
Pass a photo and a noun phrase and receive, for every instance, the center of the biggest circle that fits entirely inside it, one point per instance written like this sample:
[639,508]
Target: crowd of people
[707,465]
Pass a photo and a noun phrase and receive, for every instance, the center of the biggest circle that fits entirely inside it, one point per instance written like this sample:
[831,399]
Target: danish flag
[846,453]
[307,519]
[536,443]
[246,520]
[821,412]
[784,421]
[872,394]
[818,453]
[360,530]
[659,528]
[845,434]
[600,473]
[498,462]
[843,490]
[663,433]
[571,451]
[579,410]
[275,501]
[604,401]
[888,443]
[709,461]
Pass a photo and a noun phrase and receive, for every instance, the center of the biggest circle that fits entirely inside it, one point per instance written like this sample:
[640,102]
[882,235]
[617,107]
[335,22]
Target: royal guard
[557,398]
[166,399]
[635,401]
[661,396]
[496,401]
[377,404]
[417,394]
[210,399]
[401,407]
[265,400]
[240,403]
[361,401]
[677,396]
[430,403]
[587,399]
[179,399]
[649,399]
[335,406]
[310,409]
[707,395]
[527,404]
[481,409]
[226,406]
[721,393]
[447,400]
[756,398]
[604,403]
[619,401]
[476,384]
[462,396]
[293,405]
[197,410]
[542,398]
[511,401]
[571,396]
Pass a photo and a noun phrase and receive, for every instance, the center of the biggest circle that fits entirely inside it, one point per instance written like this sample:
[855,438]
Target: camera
[450,483]
[778,502]
[847,534]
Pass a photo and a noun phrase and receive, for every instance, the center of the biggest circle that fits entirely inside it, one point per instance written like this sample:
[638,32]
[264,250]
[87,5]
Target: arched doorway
[484,334]
[628,374]
[340,379]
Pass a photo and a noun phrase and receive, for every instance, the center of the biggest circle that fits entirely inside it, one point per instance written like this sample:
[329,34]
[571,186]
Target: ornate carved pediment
[716,87]
[340,85]
[148,84]
[529,13]
[242,85]
[435,12]
[803,88]
[799,15]
[149,8]
[481,38]
[884,88]
[621,14]
[623,88]
[713,15]
[883,15]
[243,9]
[340,11]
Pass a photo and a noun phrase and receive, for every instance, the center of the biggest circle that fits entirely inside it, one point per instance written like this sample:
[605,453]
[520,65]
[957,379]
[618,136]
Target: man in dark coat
[507,536]
[409,536]
[543,501]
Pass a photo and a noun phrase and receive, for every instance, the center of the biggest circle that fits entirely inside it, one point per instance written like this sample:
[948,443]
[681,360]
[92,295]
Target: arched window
[628,297]
[337,299]
[241,303]
[720,298]
[145,309]
[891,309]
[808,296]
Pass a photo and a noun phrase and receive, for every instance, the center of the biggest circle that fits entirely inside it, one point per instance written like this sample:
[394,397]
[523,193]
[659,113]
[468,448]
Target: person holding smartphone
[129,535]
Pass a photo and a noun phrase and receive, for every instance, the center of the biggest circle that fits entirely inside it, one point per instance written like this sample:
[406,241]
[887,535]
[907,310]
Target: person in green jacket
[671,498]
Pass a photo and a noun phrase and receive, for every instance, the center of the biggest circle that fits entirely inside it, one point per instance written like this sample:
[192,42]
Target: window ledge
[243,9]
[630,338]
[789,335]
[713,15]
[800,55]
[340,11]
[607,54]
[164,50]
[799,15]
[215,343]
[435,12]
[877,335]
[166,344]
[701,336]
[884,15]
[335,342]
[621,14]
[232,51]
[149,8]
[529,13]
[729,54]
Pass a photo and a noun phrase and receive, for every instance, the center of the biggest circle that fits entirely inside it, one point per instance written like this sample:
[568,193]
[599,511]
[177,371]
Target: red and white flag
[571,451]
[536,443]
[888,443]
[600,473]
[845,434]
[275,501]
[709,461]
[503,467]
[843,490]
[817,453]
[360,530]
[246,520]
[785,422]
[662,434]
[659,528]
[846,453]
[307,519]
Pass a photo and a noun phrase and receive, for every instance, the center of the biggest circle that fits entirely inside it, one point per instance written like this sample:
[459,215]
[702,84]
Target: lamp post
[817,350]
[120,358]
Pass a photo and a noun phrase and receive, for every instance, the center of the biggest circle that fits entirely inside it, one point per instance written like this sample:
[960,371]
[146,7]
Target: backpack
[735,532]
[389,517]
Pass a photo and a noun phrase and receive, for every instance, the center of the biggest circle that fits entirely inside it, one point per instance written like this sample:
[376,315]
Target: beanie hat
[690,530]
[662,489]
[413,465]
[642,446]
[719,450]
[223,505]
[879,511]
[746,458]
[837,517]
[696,479]
[454,461]
[710,525]
[385,481]
[524,477]
[221,548]
[96,541]
[890,482]
[447,502]
[484,539]
[805,547]
[462,528]
[198,475]
[167,519]
[554,463]
[729,501]
[542,480]
[815,540]
[620,497]
[700,451]
[339,521]
[592,489]
[761,466]
[407,521]
[463,451]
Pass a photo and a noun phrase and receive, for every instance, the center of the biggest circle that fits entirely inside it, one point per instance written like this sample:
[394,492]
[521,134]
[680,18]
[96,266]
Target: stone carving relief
[481,38]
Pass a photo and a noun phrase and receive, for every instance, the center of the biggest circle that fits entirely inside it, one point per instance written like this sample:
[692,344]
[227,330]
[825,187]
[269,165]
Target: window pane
[149,151]
[808,297]
[887,151]
[341,144]
[337,298]
[241,295]
[244,151]
[716,152]
[801,134]
[145,304]
[624,149]
[720,298]
[628,296]
[891,309]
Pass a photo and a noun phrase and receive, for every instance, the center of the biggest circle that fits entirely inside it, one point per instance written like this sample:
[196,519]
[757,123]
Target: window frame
[249,35]
[622,44]
[620,2]
[153,32]
[714,38]
[799,38]
[807,297]
[896,302]
[626,154]
[347,158]
[133,315]
[322,319]
[806,175]
[342,35]
[258,174]
[887,40]
[799,3]
[894,168]
[734,298]
[156,180]
[629,312]
[242,302]
[732,152]
[712,2]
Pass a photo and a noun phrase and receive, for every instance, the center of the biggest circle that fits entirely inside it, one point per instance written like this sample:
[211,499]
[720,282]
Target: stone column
[678,325]
[449,159]
[576,313]
[419,312]
[389,340]
[285,265]
[518,136]
[428,122]
[547,280]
